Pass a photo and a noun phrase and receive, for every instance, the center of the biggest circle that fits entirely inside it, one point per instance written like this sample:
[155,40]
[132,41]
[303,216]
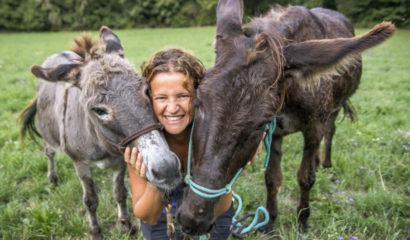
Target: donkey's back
[314,101]
[297,23]
[52,105]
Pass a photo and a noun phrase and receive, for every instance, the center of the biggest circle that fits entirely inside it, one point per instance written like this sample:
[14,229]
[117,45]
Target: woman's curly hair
[174,60]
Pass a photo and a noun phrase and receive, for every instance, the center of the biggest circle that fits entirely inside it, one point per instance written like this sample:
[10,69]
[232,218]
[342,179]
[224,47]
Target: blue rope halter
[214,193]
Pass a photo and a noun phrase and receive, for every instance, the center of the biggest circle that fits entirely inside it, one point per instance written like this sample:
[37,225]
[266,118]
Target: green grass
[366,194]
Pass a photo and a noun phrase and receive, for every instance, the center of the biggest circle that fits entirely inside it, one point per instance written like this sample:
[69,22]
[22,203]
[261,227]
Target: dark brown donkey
[92,120]
[295,64]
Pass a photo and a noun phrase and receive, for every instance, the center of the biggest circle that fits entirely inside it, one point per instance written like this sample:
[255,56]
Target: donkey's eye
[99,111]
[261,127]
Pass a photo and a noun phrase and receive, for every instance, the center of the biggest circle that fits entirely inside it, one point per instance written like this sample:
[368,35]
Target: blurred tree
[22,15]
[330,4]
[366,13]
[56,15]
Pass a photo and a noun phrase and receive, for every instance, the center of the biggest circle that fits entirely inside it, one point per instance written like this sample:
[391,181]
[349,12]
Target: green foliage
[57,15]
[367,13]
[22,15]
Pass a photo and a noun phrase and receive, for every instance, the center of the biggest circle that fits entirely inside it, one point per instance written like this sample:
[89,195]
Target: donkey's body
[62,121]
[86,121]
[309,109]
[295,64]
[319,104]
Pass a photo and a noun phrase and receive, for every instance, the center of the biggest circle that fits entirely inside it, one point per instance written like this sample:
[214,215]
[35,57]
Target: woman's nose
[172,106]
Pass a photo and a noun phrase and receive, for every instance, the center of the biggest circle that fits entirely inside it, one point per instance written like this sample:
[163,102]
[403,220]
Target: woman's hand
[147,199]
[134,158]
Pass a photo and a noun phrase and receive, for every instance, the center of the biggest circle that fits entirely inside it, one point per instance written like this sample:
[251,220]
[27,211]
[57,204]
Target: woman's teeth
[173,118]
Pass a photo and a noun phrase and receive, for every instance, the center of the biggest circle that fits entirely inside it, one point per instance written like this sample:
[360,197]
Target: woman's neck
[179,145]
[179,139]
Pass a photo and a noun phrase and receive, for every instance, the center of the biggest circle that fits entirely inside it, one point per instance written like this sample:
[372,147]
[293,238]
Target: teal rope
[255,224]
[210,193]
[200,190]
[239,208]
[203,237]
[270,128]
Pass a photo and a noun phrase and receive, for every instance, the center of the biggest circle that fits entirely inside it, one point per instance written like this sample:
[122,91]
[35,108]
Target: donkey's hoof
[53,180]
[303,228]
[96,237]
[95,233]
[133,231]
[128,227]
[327,164]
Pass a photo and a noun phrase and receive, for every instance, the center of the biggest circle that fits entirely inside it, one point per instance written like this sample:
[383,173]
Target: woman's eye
[160,98]
[184,96]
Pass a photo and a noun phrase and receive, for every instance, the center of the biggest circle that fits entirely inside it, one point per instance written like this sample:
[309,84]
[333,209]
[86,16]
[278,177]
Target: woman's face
[172,102]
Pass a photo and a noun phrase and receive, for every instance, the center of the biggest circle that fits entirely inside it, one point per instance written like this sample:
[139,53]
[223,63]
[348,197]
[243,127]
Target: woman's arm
[223,204]
[147,200]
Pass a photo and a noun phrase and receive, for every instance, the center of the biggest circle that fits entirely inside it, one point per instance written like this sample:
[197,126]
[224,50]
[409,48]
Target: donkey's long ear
[64,73]
[229,15]
[316,57]
[111,43]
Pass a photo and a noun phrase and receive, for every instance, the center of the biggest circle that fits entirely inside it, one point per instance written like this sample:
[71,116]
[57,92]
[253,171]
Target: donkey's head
[243,92]
[115,102]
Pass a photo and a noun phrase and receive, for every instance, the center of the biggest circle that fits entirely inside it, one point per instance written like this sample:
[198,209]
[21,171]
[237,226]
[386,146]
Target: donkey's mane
[84,45]
[281,24]
[268,49]
[100,66]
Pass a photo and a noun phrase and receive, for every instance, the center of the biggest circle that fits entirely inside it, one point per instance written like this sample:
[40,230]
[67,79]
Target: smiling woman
[172,76]
[172,102]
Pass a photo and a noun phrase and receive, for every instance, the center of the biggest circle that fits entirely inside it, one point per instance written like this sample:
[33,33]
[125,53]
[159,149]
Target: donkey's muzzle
[195,219]
[163,166]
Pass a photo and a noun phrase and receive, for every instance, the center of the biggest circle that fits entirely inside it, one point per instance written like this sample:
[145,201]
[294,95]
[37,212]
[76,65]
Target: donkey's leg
[306,173]
[273,180]
[90,197]
[329,132]
[120,195]
[52,174]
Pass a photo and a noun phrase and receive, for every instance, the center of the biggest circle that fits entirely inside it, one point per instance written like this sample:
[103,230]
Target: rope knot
[187,179]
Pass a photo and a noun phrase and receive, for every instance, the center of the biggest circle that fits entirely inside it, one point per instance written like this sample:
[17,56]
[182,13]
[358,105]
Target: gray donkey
[103,109]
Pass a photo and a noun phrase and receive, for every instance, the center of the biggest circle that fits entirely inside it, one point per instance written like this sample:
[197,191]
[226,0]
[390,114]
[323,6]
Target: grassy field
[366,195]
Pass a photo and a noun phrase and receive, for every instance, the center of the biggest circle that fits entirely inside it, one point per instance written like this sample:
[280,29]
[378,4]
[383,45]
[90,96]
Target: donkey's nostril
[156,174]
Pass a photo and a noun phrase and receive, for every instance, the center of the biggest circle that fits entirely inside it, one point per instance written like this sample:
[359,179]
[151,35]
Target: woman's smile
[172,101]
[172,119]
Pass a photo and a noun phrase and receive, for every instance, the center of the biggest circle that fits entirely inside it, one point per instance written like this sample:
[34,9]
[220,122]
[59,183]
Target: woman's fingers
[134,155]
[142,168]
[127,155]
[143,171]
[134,158]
